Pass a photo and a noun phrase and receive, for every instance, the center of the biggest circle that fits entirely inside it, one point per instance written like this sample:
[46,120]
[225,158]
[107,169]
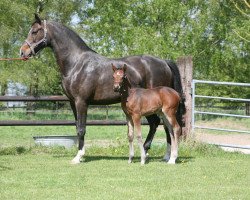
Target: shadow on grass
[13,150]
[4,168]
[180,160]
[96,158]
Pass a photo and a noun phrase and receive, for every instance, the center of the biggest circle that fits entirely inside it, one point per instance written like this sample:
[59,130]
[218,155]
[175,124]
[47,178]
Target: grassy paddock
[202,171]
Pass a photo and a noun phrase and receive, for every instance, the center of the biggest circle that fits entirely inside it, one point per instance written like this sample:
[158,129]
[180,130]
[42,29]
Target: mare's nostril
[21,53]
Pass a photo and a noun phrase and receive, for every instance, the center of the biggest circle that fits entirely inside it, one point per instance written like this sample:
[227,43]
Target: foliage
[215,33]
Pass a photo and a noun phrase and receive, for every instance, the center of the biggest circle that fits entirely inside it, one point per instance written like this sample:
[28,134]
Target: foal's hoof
[171,161]
[143,162]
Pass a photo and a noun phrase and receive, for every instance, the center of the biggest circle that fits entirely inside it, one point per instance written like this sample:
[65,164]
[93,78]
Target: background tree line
[215,32]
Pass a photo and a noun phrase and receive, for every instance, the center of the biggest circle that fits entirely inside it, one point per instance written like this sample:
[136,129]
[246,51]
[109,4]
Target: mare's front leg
[81,110]
[137,125]
[153,121]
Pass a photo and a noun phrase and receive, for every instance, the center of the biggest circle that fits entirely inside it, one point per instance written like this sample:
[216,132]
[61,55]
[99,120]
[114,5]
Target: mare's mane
[78,41]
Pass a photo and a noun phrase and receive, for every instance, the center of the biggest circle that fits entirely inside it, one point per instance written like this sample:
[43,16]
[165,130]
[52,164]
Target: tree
[40,75]
[215,33]
[169,29]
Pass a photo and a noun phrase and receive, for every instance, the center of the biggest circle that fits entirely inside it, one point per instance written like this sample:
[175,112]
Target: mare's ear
[113,67]
[125,67]
[37,18]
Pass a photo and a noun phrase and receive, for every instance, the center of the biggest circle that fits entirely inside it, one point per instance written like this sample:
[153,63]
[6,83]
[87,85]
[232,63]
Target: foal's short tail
[178,87]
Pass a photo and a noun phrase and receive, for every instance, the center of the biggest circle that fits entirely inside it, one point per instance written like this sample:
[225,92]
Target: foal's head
[119,77]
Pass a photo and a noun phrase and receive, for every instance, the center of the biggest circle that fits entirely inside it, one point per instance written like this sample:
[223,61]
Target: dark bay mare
[87,76]
[137,102]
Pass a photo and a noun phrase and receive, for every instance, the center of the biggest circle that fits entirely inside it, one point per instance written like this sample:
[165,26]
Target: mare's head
[37,38]
[119,77]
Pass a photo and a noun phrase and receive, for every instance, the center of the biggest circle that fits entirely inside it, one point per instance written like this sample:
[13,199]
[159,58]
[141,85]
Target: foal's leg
[174,130]
[168,150]
[130,139]
[137,125]
[153,121]
[81,108]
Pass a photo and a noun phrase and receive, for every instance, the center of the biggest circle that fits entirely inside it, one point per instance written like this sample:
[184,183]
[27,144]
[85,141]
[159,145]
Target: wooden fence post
[185,65]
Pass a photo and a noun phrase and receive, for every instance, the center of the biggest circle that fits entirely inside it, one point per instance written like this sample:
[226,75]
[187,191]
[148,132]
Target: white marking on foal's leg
[131,152]
[77,158]
[168,153]
[143,154]
[173,157]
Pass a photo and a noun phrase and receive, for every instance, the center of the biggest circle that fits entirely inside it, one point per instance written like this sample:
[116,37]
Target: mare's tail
[178,87]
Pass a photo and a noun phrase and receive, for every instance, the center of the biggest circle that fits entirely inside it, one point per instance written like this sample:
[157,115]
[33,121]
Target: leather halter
[32,46]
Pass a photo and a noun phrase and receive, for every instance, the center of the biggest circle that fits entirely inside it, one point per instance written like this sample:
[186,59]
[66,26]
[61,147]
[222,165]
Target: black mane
[73,36]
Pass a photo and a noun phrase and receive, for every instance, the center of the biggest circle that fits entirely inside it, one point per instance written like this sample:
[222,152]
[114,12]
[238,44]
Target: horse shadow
[98,158]
[180,160]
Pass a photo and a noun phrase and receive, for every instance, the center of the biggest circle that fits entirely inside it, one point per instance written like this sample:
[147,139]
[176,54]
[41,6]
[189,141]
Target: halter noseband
[32,46]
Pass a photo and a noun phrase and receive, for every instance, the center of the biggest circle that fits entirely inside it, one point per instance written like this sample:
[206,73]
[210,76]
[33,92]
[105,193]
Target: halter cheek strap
[32,46]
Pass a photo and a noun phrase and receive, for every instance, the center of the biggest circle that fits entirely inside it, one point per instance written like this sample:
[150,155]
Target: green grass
[23,136]
[94,113]
[202,172]
[35,172]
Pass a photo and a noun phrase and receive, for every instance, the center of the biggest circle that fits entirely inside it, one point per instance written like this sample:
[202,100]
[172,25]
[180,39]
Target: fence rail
[194,111]
[55,122]
[32,98]
[60,123]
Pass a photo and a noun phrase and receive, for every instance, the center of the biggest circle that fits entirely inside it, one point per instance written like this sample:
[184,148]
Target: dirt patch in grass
[227,139]
[237,139]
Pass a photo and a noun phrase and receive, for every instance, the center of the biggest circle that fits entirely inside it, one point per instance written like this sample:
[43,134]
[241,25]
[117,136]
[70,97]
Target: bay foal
[138,102]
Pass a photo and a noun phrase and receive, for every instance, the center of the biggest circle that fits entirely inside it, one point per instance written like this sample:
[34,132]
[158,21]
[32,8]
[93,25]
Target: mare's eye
[34,32]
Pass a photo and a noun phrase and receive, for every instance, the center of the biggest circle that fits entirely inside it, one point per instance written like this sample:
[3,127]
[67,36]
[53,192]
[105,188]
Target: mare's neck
[68,47]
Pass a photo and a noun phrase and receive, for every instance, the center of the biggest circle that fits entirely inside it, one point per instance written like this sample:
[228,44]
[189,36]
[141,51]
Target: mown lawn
[202,171]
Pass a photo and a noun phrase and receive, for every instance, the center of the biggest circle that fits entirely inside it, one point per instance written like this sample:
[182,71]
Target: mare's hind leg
[81,109]
[130,139]
[153,121]
[174,130]
[137,125]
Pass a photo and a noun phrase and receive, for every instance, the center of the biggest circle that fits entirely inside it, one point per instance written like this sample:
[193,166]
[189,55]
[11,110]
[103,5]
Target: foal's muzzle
[117,88]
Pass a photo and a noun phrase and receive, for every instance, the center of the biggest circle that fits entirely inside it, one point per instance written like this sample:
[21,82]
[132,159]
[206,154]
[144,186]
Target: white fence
[194,111]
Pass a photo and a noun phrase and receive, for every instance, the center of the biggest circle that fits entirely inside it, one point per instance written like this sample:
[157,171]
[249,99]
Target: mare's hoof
[75,162]
[166,158]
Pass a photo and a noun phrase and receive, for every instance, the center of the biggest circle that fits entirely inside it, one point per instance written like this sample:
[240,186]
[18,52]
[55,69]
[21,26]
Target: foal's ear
[37,18]
[125,67]
[113,67]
